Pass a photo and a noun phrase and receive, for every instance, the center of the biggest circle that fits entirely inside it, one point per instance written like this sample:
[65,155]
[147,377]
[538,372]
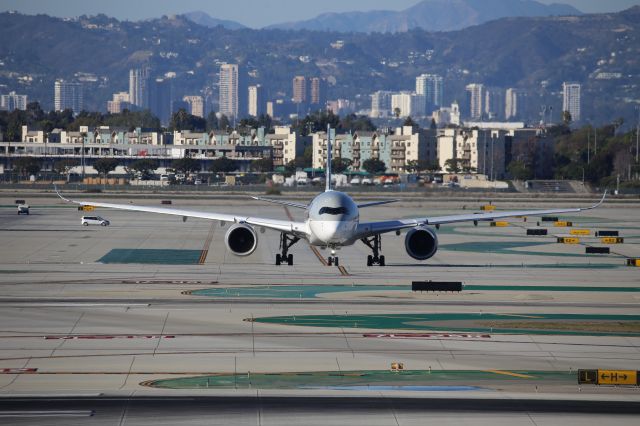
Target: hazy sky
[253,13]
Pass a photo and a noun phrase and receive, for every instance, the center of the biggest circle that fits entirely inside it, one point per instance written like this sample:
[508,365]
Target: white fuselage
[332,219]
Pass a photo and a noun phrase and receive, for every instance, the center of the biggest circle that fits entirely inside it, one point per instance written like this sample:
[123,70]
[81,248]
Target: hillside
[536,54]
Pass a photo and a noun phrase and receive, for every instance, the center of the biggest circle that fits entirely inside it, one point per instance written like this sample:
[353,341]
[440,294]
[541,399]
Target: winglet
[598,203]
[55,187]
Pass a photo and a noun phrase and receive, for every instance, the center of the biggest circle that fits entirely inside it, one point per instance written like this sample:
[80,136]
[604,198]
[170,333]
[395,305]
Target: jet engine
[241,240]
[421,243]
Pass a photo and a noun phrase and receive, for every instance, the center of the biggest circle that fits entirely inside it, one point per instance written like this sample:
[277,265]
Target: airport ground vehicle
[94,220]
[23,208]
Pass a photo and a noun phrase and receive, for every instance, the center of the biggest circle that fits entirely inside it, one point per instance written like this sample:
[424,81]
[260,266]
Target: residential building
[493,103]
[139,85]
[381,104]
[408,104]
[119,103]
[256,101]
[299,89]
[477,151]
[160,99]
[475,97]
[571,100]
[317,91]
[13,101]
[431,86]
[196,105]
[445,116]
[512,104]
[68,95]
[229,90]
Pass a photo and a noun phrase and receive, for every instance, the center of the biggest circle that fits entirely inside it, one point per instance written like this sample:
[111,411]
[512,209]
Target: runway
[111,310]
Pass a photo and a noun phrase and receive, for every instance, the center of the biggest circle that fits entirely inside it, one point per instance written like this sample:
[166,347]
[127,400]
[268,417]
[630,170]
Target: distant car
[94,220]
[23,208]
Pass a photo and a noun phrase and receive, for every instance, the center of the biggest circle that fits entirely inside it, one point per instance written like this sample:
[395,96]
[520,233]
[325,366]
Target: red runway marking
[426,336]
[97,337]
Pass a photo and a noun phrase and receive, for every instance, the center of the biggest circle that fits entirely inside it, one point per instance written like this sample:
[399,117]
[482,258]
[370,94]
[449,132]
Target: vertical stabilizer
[327,168]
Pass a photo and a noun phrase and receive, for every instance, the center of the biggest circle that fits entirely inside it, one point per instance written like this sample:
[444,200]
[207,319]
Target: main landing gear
[286,242]
[375,244]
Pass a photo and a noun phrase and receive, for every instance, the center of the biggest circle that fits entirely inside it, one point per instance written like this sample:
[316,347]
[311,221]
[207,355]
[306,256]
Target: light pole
[637,131]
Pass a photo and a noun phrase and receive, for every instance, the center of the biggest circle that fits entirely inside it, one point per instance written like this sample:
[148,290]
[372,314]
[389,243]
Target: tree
[64,166]
[27,166]
[374,166]
[290,168]
[185,165]
[223,165]
[396,112]
[105,165]
[306,159]
[144,167]
[409,122]
[339,165]
[433,125]
[452,165]
[182,120]
[566,118]
[262,165]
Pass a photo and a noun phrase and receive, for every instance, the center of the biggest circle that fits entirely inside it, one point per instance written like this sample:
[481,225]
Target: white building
[381,104]
[431,86]
[119,102]
[477,151]
[255,104]
[13,101]
[511,104]
[571,99]
[196,105]
[447,115]
[229,90]
[139,85]
[475,95]
[68,96]
[408,104]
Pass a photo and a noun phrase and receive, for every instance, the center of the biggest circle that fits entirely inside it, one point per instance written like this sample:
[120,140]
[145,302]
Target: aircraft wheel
[381,263]
[290,259]
[278,259]
[336,261]
[369,260]
[330,261]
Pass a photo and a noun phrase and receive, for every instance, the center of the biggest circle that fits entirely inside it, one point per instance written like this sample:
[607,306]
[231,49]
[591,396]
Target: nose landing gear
[286,242]
[375,244]
[333,260]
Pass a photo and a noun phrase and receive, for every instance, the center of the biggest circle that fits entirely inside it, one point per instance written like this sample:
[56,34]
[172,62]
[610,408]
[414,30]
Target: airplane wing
[366,229]
[297,228]
[375,203]
[283,202]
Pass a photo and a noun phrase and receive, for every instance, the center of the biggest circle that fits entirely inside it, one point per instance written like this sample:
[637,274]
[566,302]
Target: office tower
[571,99]
[381,104]
[229,90]
[119,103]
[408,104]
[196,105]
[493,103]
[139,83]
[13,101]
[255,101]
[299,89]
[160,97]
[431,86]
[475,96]
[318,96]
[68,96]
[511,104]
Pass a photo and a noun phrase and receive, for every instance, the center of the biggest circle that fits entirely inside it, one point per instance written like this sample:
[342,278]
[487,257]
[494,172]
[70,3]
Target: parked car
[94,220]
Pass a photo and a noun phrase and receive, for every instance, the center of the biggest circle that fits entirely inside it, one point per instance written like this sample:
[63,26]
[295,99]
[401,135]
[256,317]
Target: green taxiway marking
[152,256]
[317,379]
[464,322]
[313,291]
[508,247]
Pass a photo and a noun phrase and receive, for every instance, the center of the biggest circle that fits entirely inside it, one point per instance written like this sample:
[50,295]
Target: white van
[94,220]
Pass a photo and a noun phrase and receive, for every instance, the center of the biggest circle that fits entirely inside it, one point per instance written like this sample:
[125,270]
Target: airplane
[333,221]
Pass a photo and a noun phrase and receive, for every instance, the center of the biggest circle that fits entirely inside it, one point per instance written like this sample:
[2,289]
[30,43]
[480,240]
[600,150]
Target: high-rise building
[68,96]
[408,104]
[119,103]
[256,101]
[160,99]
[317,91]
[475,95]
[571,99]
[381,104]
[431,86]
[511,102]
[13,101]
[299,89]
[196,105]
[229,90]
[139,83]
[493,103]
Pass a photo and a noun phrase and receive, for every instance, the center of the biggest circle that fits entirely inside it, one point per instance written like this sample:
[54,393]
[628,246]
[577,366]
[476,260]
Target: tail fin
[327,169]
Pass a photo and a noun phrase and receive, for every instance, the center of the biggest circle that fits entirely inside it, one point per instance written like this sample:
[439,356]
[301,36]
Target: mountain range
[533,54]
[429,15]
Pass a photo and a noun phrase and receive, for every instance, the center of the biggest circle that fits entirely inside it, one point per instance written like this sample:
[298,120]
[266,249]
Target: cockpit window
[333,210]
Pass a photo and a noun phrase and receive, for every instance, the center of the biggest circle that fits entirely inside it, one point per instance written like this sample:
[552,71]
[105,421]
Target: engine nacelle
[421,243]
[241,240]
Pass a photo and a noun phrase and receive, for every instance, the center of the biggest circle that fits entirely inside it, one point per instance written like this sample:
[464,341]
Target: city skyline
[264,13]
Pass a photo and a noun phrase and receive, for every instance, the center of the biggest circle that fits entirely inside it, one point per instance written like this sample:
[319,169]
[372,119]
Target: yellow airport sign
[500,223]
[487,208]
[612,240]
[562,223]
[617,377]
[580,232]
[569,240]
[88,208]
